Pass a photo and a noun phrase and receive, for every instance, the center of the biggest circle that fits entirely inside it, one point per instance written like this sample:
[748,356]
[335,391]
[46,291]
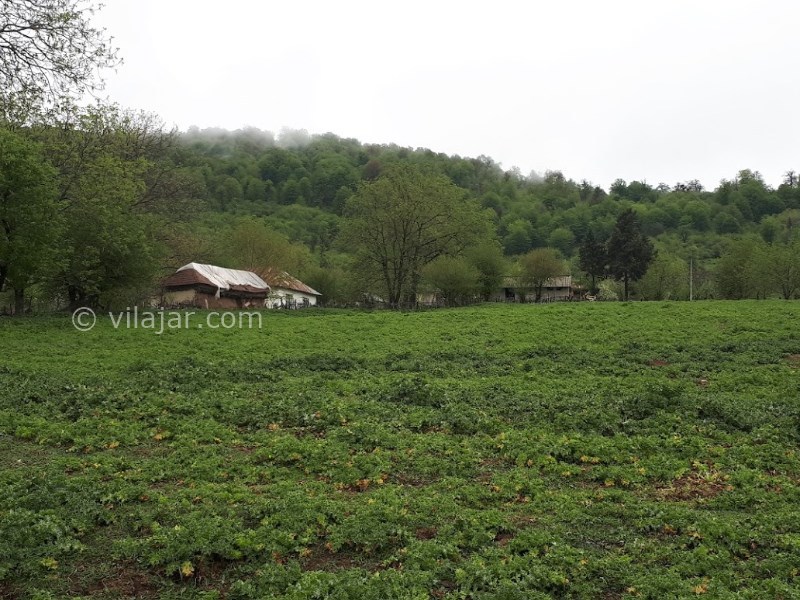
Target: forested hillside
[129,201]
[250,171]
[299,185]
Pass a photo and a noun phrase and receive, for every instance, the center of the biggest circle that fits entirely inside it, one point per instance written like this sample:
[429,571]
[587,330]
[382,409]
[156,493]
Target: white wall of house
[282,296]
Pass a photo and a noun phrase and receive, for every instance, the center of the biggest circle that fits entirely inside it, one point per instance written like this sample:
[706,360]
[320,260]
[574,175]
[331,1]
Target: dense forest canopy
[134,201]
[299,185]
[250,171]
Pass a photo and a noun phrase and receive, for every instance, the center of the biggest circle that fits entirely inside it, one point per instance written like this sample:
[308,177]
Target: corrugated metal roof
[218,277]
[282,279]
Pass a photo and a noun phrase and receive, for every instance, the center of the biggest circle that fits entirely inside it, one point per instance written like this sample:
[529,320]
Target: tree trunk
[414,287]
[72,294]
[395,296]
[625,279]
[19,301]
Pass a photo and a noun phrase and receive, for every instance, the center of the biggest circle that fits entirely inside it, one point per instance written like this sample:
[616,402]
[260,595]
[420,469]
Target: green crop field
[593,450]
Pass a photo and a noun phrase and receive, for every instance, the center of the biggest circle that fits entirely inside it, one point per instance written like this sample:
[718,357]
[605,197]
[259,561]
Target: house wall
[282,296]
[556,294]
[179,297]
[197,299]
[211,301]
[516,295]
[505,295]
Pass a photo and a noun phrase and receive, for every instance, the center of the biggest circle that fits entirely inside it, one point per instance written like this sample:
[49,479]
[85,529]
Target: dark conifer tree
[592,259]
[630,252]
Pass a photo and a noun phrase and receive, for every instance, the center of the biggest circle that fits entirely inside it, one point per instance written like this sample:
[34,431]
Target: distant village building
[555,289]
[209,286]
[288,291]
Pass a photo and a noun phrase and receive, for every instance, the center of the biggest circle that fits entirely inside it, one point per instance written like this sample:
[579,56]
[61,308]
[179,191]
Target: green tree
[629,251]
[562,239]
[291,193]
[593,259]
[697,215]
[49,50]
[254,190]
[337,284]
[110,251]
[251,245]
[229,191]
[454,280]
[488,258]
[539,265]
[728,220]
[738,273]
[331,173]
[781,267]
[404,220]
[279,165]
[29,219]
[121,190]
[770,229]
[518,237]
[665,278]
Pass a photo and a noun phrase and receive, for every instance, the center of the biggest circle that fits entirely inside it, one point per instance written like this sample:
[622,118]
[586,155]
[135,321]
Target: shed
[555,288]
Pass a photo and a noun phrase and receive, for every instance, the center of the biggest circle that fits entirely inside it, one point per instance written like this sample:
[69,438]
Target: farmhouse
[209,286]
[556,288]
[288,291]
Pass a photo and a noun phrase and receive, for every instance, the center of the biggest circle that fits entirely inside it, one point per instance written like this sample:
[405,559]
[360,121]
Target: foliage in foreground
[642,450]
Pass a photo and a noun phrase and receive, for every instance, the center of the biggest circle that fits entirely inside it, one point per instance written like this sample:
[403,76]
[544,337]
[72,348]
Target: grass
[613,450]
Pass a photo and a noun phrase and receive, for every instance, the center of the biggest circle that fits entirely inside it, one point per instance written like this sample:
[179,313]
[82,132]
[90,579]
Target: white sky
[666,90]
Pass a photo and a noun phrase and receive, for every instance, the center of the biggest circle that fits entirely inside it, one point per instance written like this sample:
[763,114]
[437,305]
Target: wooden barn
[209,286]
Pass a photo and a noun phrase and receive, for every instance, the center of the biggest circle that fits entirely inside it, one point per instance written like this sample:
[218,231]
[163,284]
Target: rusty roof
[186,277]
[281,279]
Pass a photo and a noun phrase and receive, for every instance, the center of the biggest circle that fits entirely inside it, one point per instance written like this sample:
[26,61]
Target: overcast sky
[662,91]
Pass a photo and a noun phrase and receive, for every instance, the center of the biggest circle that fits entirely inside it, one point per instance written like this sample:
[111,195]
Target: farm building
[288,291]
[209,286]
[557,288]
